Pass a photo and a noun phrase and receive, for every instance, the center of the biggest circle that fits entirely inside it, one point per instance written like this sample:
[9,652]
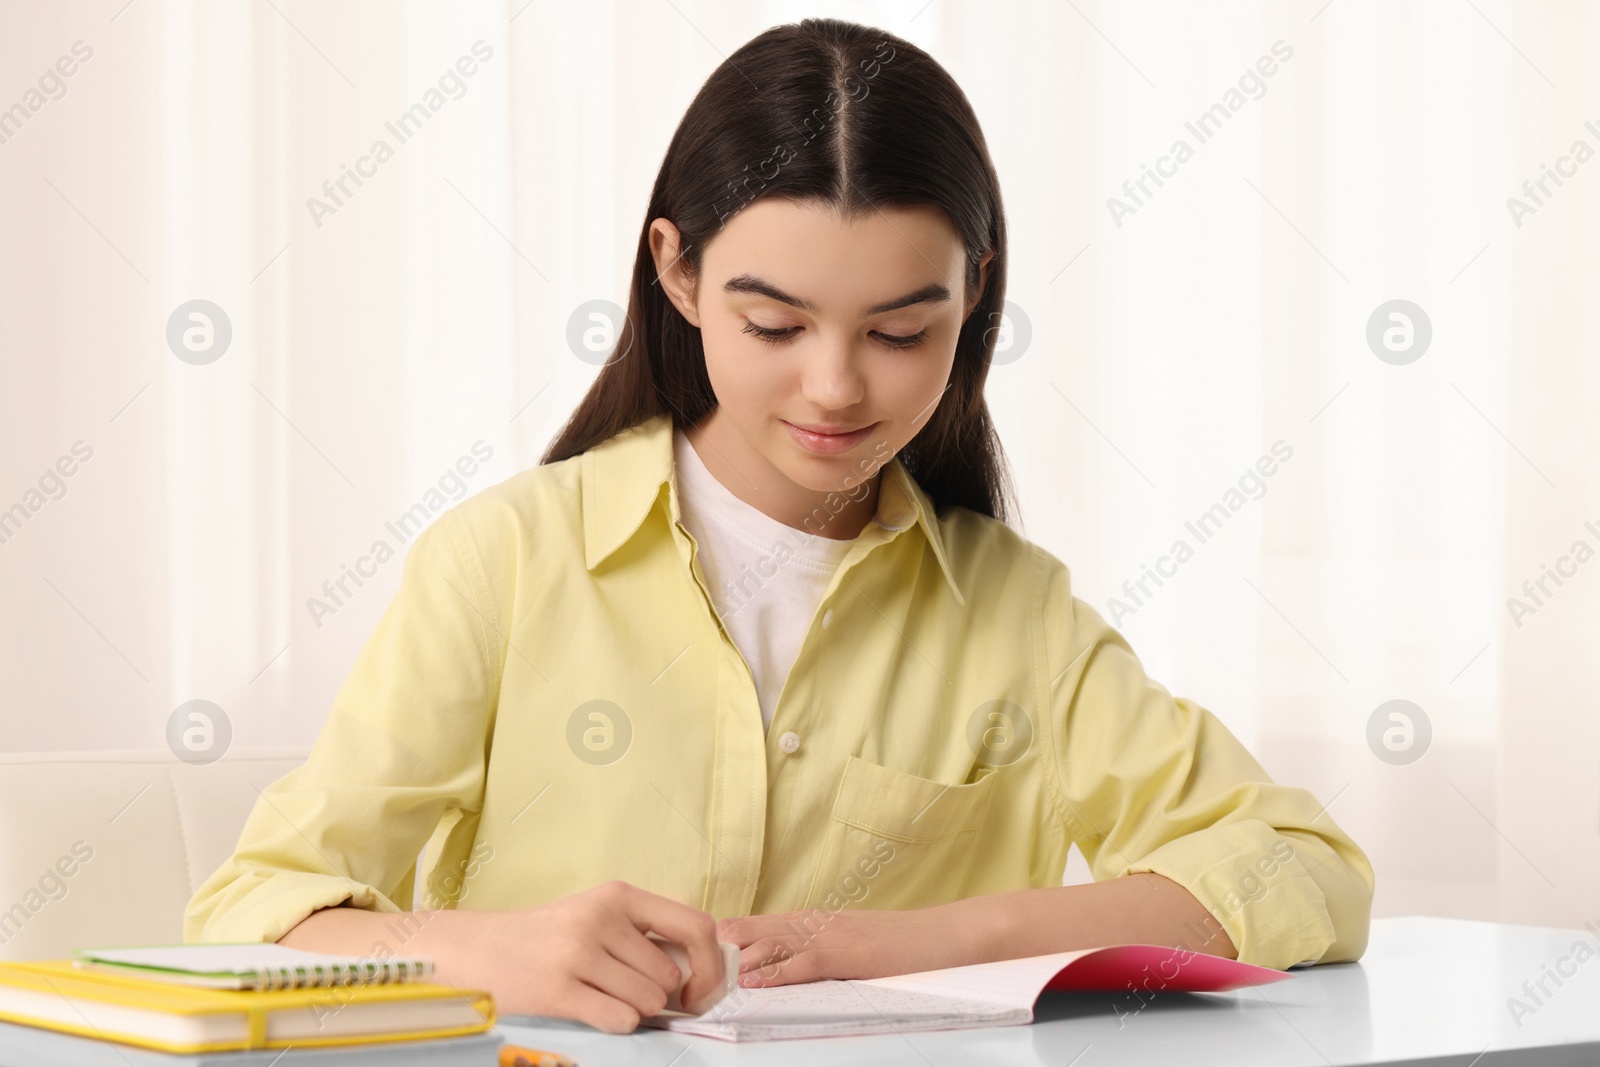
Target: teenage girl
[753,654]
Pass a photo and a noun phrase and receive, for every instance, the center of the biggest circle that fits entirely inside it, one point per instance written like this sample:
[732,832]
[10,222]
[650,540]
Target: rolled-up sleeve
[405,743]
[1150,782]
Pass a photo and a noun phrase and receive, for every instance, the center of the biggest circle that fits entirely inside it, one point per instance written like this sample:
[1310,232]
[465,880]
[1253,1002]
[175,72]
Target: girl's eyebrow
[749,283]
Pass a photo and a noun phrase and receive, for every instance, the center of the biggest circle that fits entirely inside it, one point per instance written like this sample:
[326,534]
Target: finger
[792,969]
[600,1010]
[764,958]
[616,979]
[645,956]
[742,930]
[805,967]
[693,929]
[733,931]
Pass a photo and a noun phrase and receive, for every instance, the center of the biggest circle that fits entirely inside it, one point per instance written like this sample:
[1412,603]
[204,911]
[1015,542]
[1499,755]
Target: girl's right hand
[582,957]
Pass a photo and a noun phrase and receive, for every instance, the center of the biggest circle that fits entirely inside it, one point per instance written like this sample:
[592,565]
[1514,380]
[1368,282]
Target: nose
[832,377]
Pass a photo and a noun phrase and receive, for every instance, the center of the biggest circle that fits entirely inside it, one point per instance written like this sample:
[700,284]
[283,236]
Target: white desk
[1427,990]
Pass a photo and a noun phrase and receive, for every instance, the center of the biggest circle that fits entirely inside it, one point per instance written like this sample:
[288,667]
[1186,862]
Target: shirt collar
[623,479]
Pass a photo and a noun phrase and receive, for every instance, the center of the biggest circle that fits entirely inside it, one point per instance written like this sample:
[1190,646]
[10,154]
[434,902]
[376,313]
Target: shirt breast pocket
[896,840]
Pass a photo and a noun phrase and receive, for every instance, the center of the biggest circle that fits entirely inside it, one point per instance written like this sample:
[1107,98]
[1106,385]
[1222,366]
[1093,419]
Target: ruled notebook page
[985,994]
[982,994]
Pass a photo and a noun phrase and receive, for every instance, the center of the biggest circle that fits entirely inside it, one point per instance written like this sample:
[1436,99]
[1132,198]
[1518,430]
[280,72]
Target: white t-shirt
[766,578]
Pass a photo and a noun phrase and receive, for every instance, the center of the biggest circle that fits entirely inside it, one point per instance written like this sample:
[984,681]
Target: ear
[983,283]
[670,273]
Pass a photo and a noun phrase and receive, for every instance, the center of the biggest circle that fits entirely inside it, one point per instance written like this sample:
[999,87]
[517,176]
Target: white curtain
[399,317]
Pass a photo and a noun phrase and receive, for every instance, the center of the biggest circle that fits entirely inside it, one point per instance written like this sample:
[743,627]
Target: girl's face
[828,343]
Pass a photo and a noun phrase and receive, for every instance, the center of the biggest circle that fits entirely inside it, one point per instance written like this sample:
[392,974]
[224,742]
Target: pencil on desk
[516,1056]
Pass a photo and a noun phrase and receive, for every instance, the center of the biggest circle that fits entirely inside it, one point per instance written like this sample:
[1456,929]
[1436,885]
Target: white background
[1167,353]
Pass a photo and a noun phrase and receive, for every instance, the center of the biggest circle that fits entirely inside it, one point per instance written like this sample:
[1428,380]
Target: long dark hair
[832,113]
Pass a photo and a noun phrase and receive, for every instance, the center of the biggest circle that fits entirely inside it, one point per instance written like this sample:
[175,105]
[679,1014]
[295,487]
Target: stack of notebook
[241,1005]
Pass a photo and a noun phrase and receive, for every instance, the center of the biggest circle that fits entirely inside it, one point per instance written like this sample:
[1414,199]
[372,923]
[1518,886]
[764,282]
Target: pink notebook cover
[1119,965]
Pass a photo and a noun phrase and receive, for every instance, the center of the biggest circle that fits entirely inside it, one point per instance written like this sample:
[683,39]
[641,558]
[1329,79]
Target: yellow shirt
[551,702]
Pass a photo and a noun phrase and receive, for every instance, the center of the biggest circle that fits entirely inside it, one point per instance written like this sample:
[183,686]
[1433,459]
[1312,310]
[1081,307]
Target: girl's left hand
[804,946]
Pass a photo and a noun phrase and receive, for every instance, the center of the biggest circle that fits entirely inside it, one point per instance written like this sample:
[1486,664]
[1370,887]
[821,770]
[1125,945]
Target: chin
[813,472]
[830,481]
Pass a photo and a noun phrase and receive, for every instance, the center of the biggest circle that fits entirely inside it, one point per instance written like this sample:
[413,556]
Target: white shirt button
[827,618]
[789,742]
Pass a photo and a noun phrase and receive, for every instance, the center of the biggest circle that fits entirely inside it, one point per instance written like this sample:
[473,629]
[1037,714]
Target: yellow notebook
[160,1015]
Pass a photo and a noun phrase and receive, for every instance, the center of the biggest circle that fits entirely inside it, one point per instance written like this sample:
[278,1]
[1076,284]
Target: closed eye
[769,336]
[779,336]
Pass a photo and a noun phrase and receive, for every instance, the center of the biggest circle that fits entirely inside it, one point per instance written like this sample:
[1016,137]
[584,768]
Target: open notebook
[1002,993]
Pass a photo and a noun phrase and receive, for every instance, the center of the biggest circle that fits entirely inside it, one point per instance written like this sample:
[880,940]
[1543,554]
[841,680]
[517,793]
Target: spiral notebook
[250,965]
[128,1009]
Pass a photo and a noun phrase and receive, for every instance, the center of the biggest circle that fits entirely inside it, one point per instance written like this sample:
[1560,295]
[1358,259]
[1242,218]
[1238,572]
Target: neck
[839,514]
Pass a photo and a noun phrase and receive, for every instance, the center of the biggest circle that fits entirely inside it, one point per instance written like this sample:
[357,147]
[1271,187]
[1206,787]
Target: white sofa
[106,848]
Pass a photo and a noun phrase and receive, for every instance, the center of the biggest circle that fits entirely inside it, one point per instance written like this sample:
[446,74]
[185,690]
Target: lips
[829,431]
[825,441]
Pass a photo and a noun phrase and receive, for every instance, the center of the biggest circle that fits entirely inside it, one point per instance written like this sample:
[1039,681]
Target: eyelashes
[778,337]
[772,337]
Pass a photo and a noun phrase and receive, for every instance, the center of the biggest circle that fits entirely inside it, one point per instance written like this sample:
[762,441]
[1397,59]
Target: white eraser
[678,955]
